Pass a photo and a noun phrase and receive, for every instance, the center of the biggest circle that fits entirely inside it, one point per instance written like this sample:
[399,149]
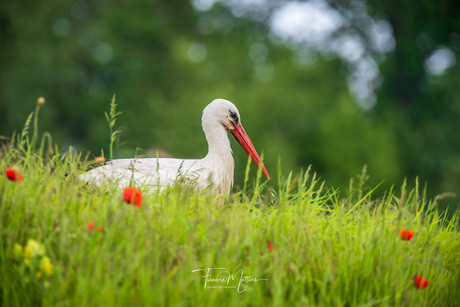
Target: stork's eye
[234,117]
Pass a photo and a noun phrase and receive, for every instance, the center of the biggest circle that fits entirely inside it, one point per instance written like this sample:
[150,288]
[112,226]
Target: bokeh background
[334,84]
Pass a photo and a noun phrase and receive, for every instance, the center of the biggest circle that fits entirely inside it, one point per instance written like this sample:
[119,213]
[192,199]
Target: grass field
[307,245]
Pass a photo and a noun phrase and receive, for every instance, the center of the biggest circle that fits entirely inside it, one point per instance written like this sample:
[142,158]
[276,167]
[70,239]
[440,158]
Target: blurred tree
[420,91]
[368,88]
[415,44]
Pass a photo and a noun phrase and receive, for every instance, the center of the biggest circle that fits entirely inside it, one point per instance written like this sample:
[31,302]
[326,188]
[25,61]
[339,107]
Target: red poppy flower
[270,246]
[420,282]
[406,234]
[13,175]
[132,196]
[91,227]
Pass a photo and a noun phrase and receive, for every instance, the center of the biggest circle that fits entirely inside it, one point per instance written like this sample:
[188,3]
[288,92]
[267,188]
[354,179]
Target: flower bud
[99,160]
[40,101]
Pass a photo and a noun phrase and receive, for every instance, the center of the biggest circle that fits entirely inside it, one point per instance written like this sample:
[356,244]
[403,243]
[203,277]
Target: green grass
[329,248]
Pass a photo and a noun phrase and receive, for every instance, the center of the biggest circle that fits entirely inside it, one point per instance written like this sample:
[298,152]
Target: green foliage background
[78,54]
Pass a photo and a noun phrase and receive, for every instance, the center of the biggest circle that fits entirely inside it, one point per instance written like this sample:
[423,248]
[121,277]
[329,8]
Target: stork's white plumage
[214,171]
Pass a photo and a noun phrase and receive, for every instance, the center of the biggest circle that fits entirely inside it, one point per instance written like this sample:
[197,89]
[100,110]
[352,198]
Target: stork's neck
[219,145]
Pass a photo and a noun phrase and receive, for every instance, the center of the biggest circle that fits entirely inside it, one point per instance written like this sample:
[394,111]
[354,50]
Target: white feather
[214,171]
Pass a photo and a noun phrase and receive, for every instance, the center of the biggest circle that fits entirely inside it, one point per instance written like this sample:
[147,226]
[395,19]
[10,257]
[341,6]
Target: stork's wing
[140,172]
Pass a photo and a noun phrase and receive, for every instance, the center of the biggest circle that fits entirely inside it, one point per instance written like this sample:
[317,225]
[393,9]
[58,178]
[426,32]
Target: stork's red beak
[246,143]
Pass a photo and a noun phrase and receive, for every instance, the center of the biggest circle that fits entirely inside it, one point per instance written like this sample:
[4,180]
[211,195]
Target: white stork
[214,171]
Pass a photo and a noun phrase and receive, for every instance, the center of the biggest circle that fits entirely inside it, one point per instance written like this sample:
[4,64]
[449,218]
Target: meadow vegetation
[300,98]
[314,245]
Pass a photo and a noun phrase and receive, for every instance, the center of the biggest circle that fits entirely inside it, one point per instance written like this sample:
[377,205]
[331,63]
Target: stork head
[221,112]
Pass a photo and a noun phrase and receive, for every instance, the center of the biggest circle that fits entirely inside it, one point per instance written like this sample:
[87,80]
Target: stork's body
[214,171]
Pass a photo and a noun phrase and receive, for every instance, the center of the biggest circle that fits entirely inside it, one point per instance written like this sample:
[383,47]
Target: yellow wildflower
[26,252]
[38,275]
[33,249]
[46,265]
